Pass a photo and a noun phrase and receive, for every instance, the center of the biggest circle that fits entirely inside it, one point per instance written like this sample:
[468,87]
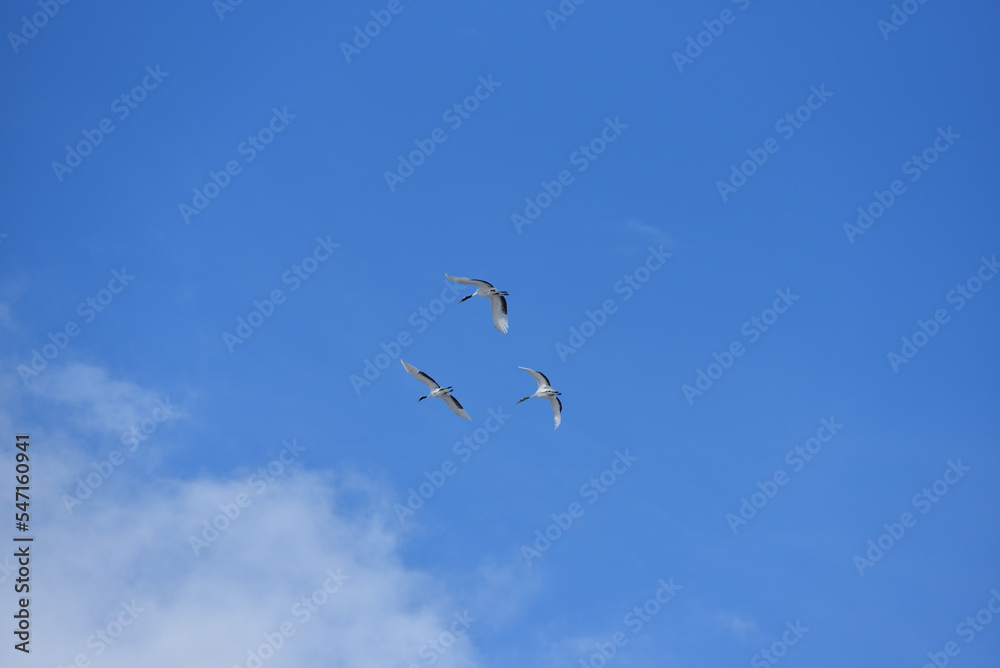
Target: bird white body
[545,391]
[436,390]
[497,302]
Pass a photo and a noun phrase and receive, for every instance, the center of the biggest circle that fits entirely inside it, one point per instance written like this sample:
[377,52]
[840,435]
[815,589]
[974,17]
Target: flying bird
[436,390]
[497,302]
[545,391]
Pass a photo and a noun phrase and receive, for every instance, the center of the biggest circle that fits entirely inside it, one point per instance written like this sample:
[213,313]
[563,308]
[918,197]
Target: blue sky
[687,177]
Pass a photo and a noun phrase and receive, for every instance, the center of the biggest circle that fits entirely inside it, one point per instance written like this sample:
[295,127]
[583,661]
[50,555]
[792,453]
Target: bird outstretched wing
[455,406]
[556,409]
[420,375]
[499,307]
[538,376]
[469,281]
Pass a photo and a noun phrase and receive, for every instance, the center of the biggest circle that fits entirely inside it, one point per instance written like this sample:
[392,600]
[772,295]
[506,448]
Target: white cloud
[652,231]
[5,320]
[86,397]
[735,624]
[131,543]
[639,236]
